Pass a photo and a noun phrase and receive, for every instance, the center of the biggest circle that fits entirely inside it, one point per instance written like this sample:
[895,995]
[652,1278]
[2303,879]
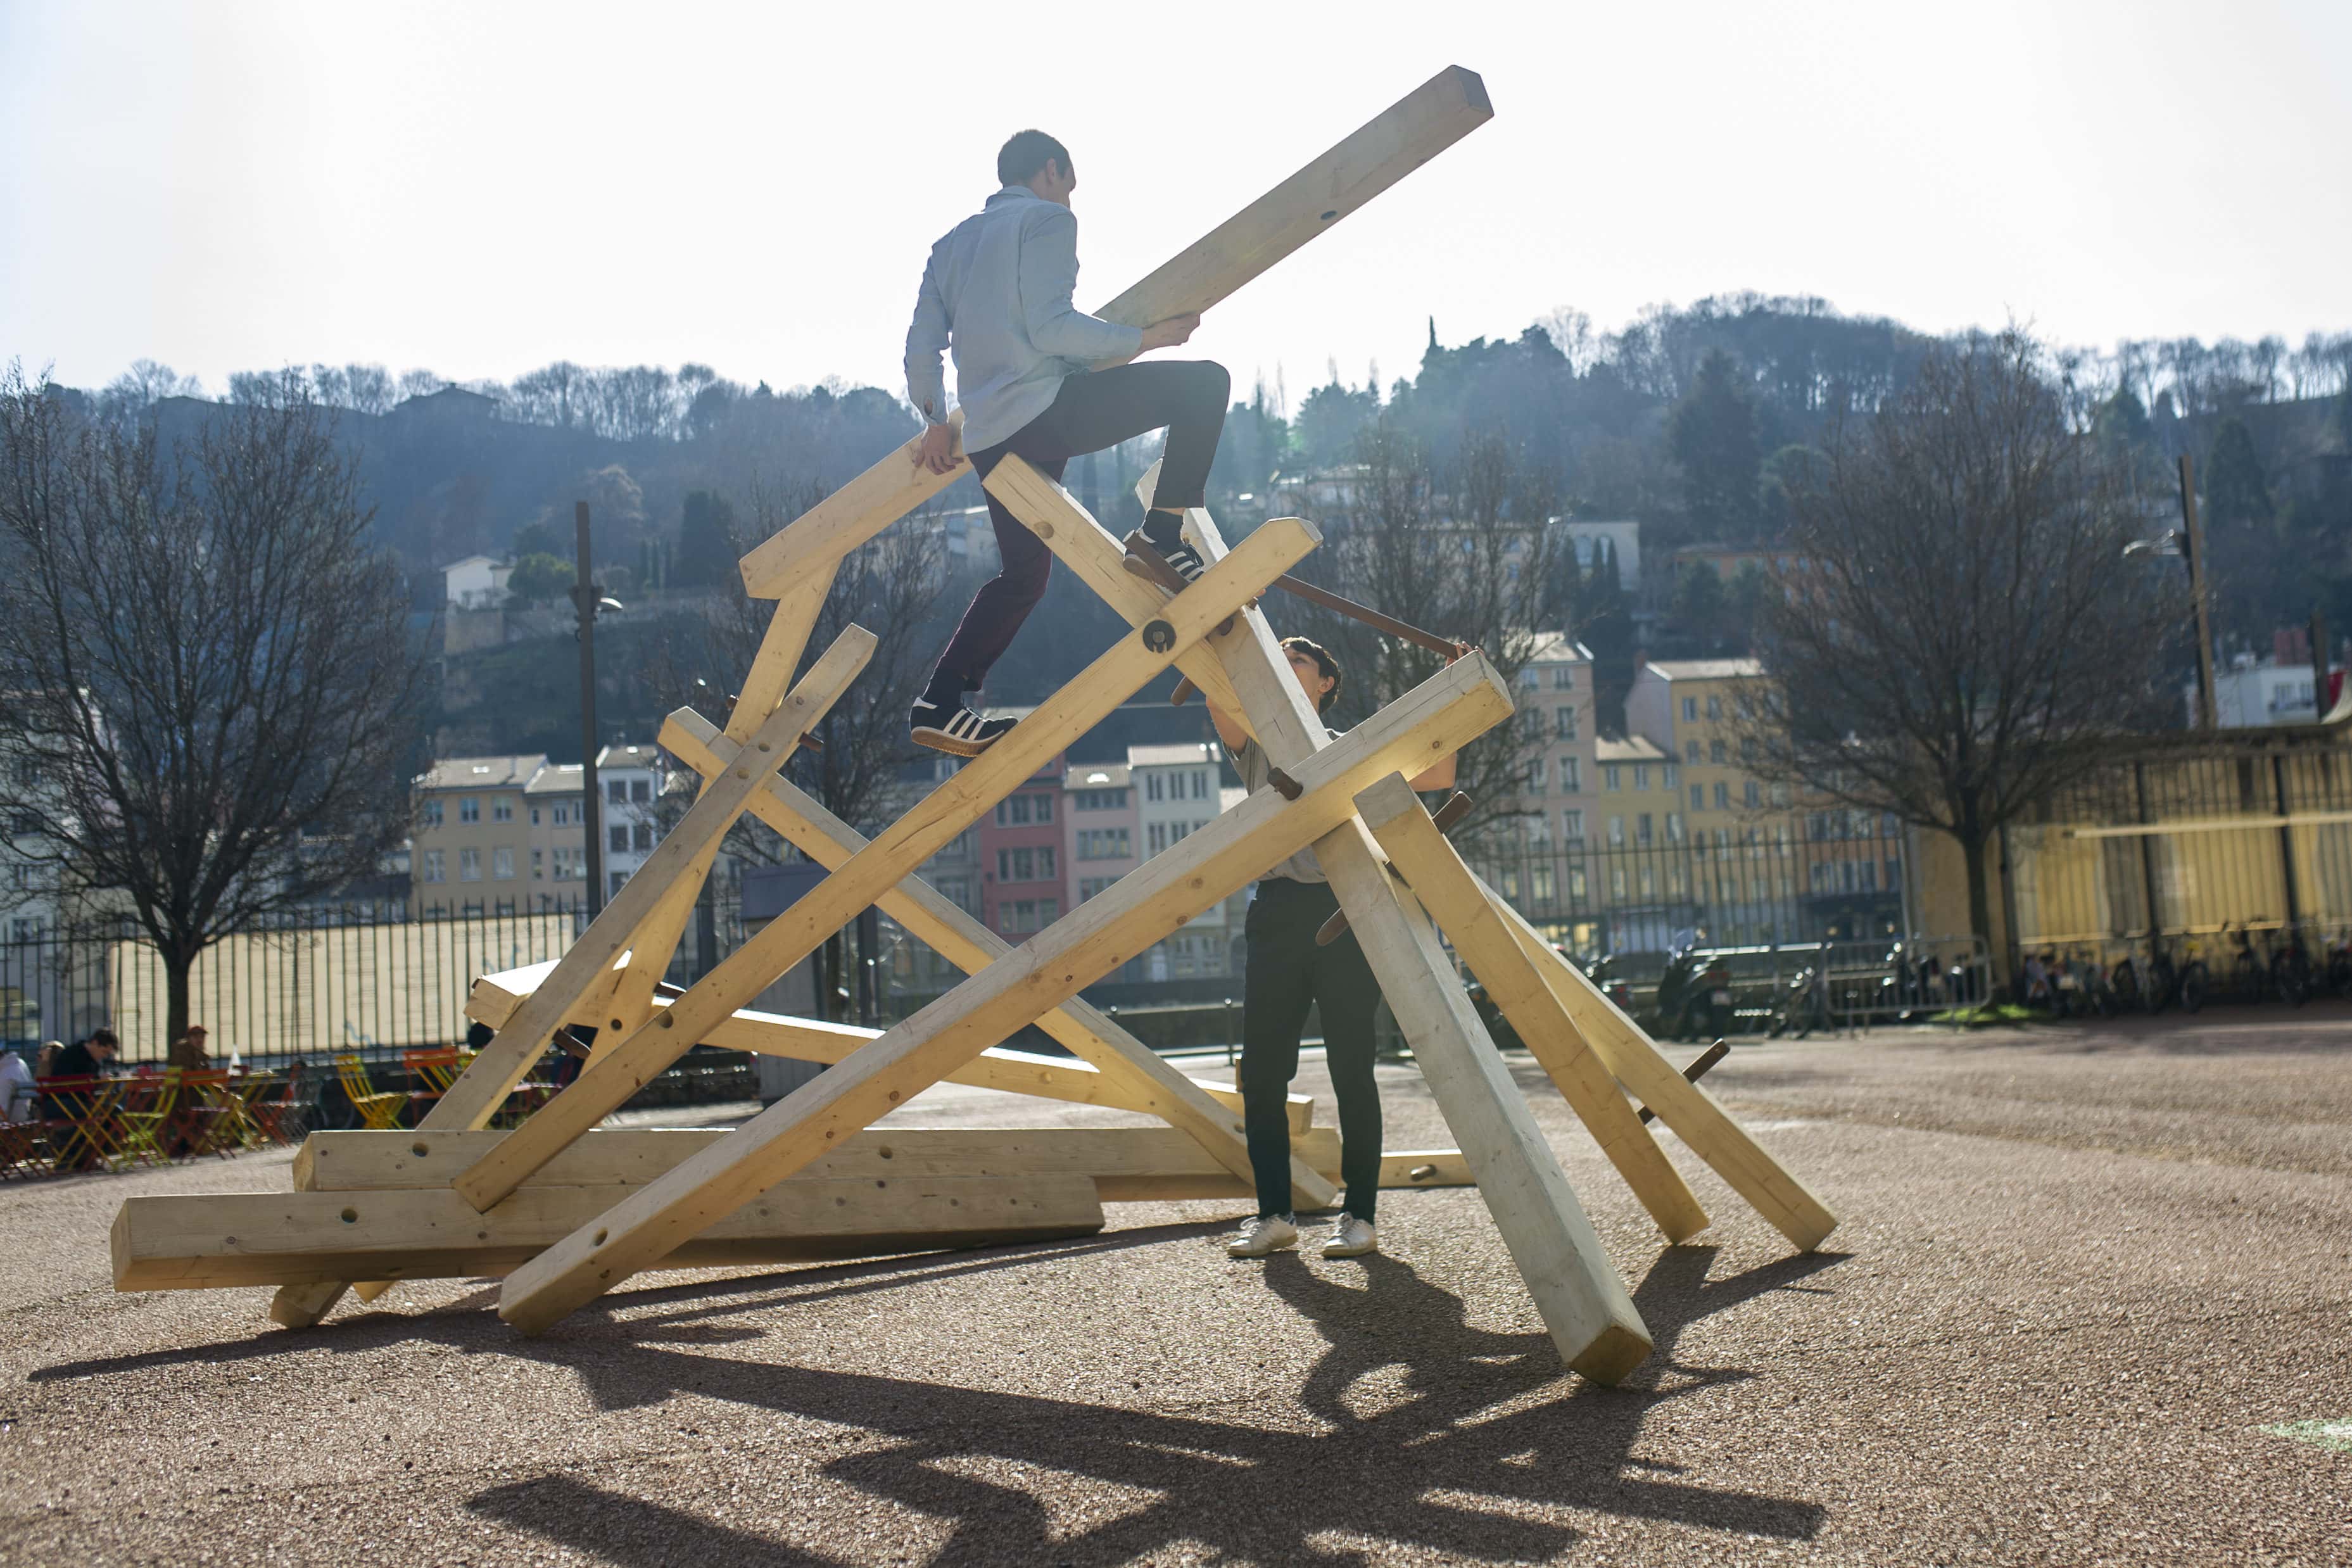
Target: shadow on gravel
[1441,1466]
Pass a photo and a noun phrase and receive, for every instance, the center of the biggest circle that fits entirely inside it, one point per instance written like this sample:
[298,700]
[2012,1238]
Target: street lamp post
[587,599]
[2189,543]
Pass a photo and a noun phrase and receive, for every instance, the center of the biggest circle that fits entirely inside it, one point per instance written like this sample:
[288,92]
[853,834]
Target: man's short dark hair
[1325,665]
[104,1038]
[1025,154]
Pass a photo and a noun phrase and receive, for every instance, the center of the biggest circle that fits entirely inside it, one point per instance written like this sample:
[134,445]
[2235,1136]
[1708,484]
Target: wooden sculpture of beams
[1583,1303]
[669,879]
[1143,907]
[1144,1082]
[921,831]
[1408,134]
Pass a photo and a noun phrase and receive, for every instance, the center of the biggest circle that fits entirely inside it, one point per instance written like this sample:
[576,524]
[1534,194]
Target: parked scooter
[1802,1006]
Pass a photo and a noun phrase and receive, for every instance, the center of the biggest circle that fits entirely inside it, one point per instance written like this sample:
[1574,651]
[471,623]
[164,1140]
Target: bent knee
[1210,381]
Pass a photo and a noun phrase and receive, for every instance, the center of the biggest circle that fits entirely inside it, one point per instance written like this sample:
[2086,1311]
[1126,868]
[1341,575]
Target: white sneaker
[1266,1234]
[1351,1238]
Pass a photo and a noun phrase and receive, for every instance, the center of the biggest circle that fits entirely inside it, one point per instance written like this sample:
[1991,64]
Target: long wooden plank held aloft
[1400,138]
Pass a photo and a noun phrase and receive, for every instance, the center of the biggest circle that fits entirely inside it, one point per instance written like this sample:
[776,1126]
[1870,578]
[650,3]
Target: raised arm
[1049,275]
[927,340]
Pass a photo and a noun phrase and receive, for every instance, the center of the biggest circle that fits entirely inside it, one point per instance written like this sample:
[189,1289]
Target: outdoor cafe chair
[376,1111]
[78,1122]
[210,1116]
[291,1114]
[431,1072]
[145,1110]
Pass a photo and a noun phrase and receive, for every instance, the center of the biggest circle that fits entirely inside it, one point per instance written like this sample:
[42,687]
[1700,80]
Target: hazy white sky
[479,189]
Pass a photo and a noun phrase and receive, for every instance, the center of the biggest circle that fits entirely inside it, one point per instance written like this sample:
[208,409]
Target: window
[1617,881]
[1641,776]
[502,865]
[1014,812]
[434,866]
[1103,844]
[1699,797]
[1154,787]
[1673,777]
[1715,754]
[1748,750]
[1690,710]
[1894,873]
[1543,884]
[1572,826]
[1534,775]
[431,815]
[1564,719]
[1649,880]
[1751,794]
[1866,873]
[1017,917]
[534,817]
[1613,777]
[1571,775]
[1200,790]
[1690,753]
[1779,794]
[1045,806]
[1645,830]
[613,880]
[618,791]
[1026,864]
[470,809]
[1158,840]
[1673,828]
[1887,826]
[1616,833]
[502,809]
[645,836]
[469,865]
[1822,877]
[1723,797]
[1528,676]
[641,790]
[570,864]
[560,814]
[1575,884]
[538,866]
[1715,707]
[617,838]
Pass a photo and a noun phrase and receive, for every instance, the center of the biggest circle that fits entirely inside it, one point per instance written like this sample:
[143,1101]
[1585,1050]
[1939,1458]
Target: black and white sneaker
[957,730]
[1180,558]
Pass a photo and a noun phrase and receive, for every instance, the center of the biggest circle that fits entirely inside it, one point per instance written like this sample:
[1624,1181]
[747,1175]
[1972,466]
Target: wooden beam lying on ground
[1131,1165]
[1445,887]
[1063,1079]
[921,831]
[1697,1119]
[298,1238]
[1131,1073]
[1583,1303]
[1146,905]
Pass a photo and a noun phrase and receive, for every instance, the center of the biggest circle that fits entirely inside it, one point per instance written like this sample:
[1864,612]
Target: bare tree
[206,664]
[1470,562]
[1963,637]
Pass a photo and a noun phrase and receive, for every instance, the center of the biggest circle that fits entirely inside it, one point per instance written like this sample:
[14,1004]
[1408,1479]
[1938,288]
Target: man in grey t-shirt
[1288,974]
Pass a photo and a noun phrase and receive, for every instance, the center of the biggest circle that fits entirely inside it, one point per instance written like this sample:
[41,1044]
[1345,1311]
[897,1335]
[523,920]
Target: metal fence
[270,994]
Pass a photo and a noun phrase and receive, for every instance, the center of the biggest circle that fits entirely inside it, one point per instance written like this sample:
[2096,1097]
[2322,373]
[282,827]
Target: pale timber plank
[1400,138]
[1133,1072]
[1575,1289]
[295,1239]
[1129,1164]
[821,536]
[926,827]
[1445,888]
[1697,1117]
[1141,908]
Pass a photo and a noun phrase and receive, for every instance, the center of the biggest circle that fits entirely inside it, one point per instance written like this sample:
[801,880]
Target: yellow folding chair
[144,1114]
[377,1110]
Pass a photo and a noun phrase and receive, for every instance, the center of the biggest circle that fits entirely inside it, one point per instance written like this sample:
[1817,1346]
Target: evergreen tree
[1712,438]
[2123,421]
[2235,490]
[540,577]
[1700,602]
[706,542]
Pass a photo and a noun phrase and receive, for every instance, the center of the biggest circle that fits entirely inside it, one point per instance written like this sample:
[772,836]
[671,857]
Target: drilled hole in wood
[350,1216]
[419,1149]
[600,1238]
[1330,216]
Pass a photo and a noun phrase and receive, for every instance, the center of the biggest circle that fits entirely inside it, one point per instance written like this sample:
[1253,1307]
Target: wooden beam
[815,541]
[810,1041]
[922,831]
[1445,888]
[1132,1073]
[1400,138]
[298,1238]
[1697,1119]
[1131,1165]
[1146,905]
[1575,1287]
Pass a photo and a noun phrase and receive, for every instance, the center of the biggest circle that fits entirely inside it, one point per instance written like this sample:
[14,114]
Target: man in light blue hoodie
[996,295]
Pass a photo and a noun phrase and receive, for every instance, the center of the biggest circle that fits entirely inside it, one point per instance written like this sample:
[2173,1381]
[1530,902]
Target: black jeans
[1094,409]
[1288,973]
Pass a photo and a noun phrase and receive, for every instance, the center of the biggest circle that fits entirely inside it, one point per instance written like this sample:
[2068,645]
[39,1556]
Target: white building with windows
[629,780]
[1099,821]
[477,582]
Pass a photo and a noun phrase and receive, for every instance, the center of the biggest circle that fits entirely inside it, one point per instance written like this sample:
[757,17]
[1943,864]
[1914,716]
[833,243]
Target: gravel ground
[2083,1274]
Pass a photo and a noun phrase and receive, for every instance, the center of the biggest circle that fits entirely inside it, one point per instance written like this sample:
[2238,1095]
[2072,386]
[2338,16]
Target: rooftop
[1096,775]
[482,773]
[1174,756]
[1633,749]
[1557,647]
[648,756]
[1707,669]
[559,778]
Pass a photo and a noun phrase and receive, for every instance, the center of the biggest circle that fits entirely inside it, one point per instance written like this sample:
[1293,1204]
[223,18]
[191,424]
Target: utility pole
[587,598]
[2319,662]
[2192,539]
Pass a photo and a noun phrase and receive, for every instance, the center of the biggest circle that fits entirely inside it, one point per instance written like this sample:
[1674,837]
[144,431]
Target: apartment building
[630,779]
[1023,870]
[471,851]
[559,835]
[1100,826]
